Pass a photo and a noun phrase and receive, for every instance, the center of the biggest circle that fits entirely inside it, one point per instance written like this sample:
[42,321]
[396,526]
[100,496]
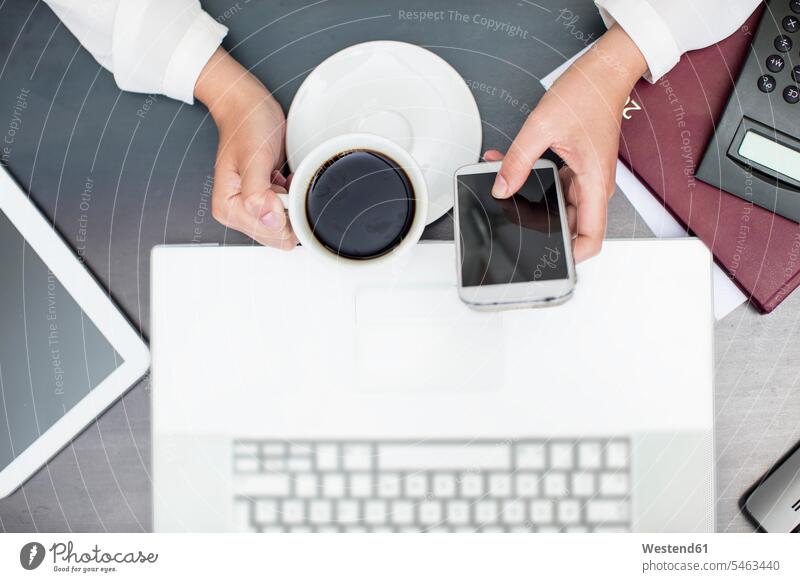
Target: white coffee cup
[295,200]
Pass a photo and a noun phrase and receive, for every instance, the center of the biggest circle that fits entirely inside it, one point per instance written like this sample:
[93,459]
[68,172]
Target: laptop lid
[301,349]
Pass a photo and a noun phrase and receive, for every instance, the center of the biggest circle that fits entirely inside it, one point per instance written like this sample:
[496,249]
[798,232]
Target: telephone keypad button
[783,43]
[766,83]
[775,63]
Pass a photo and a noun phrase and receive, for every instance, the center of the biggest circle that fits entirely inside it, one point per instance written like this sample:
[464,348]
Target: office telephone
[755,152]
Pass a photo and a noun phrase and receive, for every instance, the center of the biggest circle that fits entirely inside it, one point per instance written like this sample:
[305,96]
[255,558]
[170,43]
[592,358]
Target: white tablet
[66,352]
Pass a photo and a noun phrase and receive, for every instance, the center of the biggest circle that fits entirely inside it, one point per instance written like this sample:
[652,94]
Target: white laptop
[294,396]
[66,352]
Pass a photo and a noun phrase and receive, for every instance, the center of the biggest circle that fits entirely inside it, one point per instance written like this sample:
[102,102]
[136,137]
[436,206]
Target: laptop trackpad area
[425,339]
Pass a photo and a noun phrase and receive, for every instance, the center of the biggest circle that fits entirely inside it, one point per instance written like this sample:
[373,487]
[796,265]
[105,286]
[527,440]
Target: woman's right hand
[252,129]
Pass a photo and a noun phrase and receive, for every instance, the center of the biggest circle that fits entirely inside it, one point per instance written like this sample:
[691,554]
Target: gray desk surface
[148,159]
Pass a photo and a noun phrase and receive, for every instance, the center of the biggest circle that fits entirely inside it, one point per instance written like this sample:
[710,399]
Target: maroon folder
[663,144]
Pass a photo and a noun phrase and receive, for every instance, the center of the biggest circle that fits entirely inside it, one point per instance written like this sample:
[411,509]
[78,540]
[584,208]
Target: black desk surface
[119,173]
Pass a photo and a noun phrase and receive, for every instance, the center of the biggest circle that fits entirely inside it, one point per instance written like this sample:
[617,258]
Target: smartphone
[515,252]
[773,504]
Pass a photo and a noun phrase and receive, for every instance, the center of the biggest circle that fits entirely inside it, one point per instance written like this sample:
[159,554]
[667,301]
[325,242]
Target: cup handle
[284,200]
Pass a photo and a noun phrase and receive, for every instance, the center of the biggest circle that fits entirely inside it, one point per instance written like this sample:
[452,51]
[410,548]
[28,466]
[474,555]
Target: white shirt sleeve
[665,29]
[151,46]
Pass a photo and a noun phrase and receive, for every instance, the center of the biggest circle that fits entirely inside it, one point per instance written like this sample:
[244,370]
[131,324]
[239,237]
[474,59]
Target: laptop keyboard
[520,485]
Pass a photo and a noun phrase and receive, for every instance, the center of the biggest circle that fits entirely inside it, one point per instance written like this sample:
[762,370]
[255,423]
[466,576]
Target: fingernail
[272,220]
[500,188]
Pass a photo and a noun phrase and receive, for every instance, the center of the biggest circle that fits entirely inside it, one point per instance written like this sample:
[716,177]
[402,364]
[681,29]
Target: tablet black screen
[51,354]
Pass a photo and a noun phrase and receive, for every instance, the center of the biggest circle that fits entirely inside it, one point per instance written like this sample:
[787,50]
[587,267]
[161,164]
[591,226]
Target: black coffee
[360,204]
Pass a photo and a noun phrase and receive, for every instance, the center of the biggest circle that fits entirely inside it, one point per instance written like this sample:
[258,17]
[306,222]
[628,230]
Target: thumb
[528,146]
[267,208]
[259,195]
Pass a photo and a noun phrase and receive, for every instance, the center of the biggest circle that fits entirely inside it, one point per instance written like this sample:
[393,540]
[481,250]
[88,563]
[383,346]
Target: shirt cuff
[202,38]
[647,30]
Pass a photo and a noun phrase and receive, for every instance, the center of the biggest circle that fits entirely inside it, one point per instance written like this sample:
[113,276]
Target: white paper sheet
[727,296]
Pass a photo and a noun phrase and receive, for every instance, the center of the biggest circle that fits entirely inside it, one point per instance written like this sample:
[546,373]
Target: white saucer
[401,92]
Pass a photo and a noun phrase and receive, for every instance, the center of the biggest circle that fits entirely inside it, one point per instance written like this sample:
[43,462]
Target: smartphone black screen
[517,240]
